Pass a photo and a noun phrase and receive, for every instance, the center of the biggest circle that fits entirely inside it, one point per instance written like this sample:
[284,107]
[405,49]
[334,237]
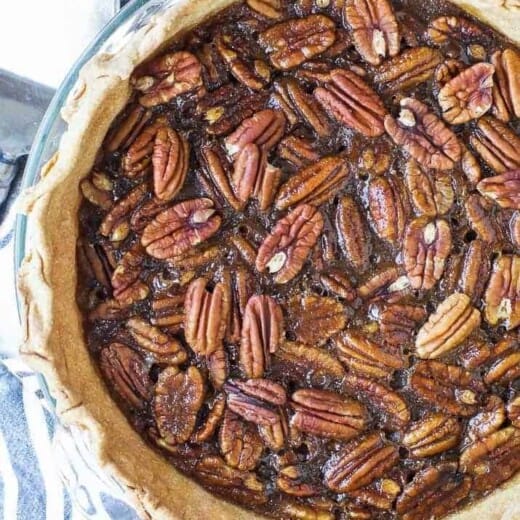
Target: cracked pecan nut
[398,323]
[502,296]
[239,443]
[447,70]
[452,27]
[391,407]
[122,135]
[431,192]
[306,361]
[254,75]
[115,224]
[262,332]
[408,69]
[167,77]
[424,136]
[432,435]
[170,159]
[479,214]
[314,184]
[366,357]
[205,318]
[177,400]
[468,95]
[291,480]
[298,151]
[374,28]
[289,44]
[215,414]
[506,90]
[504,189]
[492,459]
[314,319]
[360,463]
[353,233]
[128,374]
[350,101]
[327,414]
[447,387]
[264,128]
[496,144]
[151,339]
[337,283]
[298,104]
[285,249]
[426,247]
[179,228]
[389,208]
[433,492]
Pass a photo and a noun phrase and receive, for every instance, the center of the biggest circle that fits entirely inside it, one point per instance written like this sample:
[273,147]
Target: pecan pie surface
[299,262]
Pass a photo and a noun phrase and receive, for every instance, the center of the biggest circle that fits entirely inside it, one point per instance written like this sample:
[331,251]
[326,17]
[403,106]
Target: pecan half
[398,323]
[337,283]
[269,8]
[115,225]
[506,90]
[475,270]
[455,27]
[390,406]
[349,100]
[97,190]
[239,443]
[493,459]
[290,43]
[262,332]
[353,233]
[503,189]
[426,247]
[152,340]
[127,372]
[212,420]
[327,414]
[265,129]
[314,319]
[479,213]
[298,151]
[497,144]
[315,184]
[176,230]
[359,463]
[446,387]
[167,77]
[433,492]
[431,192]
[366,357]
[502,296]
[470,166]
[128,288]
[513,411]
[505,363]
[126,130]
[488,420]
[432,435]
[408,69]
[424,136]
[375,29]
[389,208]
[206,317]
[285,249]
[447,70]
[291,480]
[468,95]
[388,285]
[170,159]
[94,263]
[304,361]
[178,398]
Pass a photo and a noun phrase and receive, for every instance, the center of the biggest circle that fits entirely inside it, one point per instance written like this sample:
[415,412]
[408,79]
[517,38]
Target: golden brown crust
[54,343]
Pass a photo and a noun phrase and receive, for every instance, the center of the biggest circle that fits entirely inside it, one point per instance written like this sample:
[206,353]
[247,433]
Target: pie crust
[54,343]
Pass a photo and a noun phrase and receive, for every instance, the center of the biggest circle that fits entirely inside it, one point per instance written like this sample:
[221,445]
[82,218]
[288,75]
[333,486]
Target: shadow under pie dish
[274,264]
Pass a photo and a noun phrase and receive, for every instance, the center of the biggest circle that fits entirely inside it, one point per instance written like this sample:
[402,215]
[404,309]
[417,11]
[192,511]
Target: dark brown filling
[298,257]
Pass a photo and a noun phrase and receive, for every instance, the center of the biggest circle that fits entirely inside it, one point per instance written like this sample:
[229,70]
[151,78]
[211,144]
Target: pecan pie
[297,253]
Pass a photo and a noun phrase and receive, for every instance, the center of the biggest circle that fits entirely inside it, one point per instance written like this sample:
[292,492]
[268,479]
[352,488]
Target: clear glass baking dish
[94,494]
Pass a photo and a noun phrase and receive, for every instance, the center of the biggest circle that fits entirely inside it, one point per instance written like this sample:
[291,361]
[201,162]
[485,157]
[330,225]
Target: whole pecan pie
[287,244]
